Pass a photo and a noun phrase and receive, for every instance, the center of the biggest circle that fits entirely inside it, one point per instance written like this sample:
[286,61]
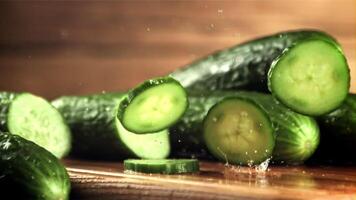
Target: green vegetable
[238,131]
[297,136]
[28,171]
[318,70]
[243,66]
[153,106]
[33,118]
[98,134]
[162,166]
[312,77]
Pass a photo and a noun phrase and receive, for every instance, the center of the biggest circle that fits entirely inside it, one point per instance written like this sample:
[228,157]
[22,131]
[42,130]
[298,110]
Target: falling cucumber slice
[162,166]
[238,131]
[35,119]
[312,77]
[153,106]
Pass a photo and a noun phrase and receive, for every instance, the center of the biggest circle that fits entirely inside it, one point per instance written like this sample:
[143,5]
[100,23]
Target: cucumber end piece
[35,119]
[153,106]
[162,166]
[295,149]
[311,77]
[238,131]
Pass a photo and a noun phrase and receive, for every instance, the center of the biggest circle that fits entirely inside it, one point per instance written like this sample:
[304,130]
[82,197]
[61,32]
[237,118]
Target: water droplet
[220,11]
[148,29]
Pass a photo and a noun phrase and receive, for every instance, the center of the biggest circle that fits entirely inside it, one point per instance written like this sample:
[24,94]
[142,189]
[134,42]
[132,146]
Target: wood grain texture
[216,181]
[53,48]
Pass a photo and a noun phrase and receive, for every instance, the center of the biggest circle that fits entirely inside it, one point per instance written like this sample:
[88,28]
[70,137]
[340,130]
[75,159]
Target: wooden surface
[94,180]
[53,48]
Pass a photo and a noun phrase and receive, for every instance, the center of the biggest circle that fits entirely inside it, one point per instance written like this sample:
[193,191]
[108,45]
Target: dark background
[52,48]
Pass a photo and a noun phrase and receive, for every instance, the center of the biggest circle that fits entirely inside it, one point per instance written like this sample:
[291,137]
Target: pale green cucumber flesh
[148,146]
[237,131]
[311,78]
[162,166]
[153,106]
[34,119]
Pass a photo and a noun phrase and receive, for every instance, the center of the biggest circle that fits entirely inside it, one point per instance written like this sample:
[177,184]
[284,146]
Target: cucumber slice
[153,106]
[98,134]
[162,166]
[28,171]
[312,77]
[238,131]
[34,119]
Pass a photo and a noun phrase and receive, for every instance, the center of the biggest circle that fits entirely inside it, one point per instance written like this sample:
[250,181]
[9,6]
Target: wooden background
[53,48]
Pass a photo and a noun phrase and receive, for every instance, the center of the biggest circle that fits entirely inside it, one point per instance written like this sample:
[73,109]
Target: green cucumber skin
[181,166]
[187,135]
[243,66]
[338,134]
[5,101]
[127,99]
[32,170]
[92,122]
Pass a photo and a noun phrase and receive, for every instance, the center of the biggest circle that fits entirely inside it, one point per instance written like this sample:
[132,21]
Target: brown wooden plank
[95,180]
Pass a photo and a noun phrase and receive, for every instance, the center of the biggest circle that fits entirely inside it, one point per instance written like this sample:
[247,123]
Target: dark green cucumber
[338,134]
[238,131]
[297,136]
[98,134]
[35,119]
[243,66]
[162,166]
[311,77]
[28,171]
[153,106]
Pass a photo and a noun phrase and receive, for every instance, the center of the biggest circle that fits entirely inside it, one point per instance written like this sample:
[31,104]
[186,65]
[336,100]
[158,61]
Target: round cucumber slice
[311,78]
[34,119]
[238,131]
[148,146]
[153,106]
[162,166]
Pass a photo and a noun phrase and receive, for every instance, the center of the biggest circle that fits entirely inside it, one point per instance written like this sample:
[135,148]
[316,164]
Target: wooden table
[99,180]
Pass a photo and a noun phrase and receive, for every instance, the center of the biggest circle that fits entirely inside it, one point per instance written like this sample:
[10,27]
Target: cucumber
[245,67]
[311,77]
[153,106]
[35,119]
[98,134]
[297,136]
[162,166]
[238,131]
[338,134]
[28,171]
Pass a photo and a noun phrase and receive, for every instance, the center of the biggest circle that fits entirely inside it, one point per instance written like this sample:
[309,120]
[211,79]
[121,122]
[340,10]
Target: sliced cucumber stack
[311,77]
[153,106]
[162,166]
[34,119]
[98,134]
[28,171]
[238,131]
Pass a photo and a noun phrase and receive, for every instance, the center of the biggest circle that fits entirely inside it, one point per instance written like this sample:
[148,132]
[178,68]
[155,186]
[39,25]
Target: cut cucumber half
[35,119]
[312,77]
[162,166]
[153,106]
[238,131]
